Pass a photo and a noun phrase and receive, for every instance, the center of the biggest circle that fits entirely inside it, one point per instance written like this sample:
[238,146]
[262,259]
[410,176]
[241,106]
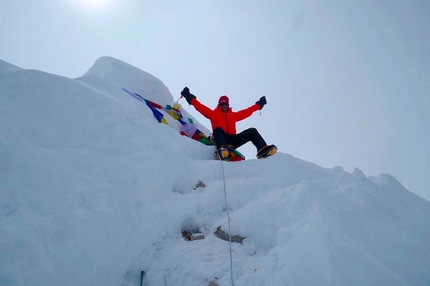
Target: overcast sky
[347,82]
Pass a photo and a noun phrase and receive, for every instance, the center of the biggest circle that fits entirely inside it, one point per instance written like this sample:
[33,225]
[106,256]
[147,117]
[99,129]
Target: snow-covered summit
[93,191]
[121,74]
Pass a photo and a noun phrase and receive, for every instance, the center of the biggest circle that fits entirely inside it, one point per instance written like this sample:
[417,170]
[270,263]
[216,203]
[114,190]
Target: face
[224,106]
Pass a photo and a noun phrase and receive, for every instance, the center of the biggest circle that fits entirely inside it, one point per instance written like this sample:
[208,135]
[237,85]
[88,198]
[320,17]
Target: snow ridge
[7,68]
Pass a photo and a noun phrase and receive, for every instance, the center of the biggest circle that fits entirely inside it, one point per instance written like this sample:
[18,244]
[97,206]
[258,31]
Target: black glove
[262,102]
[188,96]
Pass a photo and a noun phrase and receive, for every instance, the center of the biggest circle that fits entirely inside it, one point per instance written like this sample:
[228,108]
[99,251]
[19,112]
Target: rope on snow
[228,220]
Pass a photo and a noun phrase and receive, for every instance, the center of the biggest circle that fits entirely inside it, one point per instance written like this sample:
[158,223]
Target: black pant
[250,134]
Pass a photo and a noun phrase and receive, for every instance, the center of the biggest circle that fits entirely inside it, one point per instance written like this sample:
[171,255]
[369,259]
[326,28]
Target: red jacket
[225,120]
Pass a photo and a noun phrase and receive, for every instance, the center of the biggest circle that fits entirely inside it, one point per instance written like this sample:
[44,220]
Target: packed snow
[94,191]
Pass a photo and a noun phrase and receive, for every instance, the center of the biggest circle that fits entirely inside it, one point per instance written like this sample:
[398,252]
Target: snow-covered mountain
[93,191]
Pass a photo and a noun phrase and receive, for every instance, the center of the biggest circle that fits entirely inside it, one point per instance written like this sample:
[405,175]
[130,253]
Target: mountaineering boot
[223,153]
[266,151]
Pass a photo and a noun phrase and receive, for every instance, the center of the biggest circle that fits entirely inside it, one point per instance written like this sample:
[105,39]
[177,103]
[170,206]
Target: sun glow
[94,5]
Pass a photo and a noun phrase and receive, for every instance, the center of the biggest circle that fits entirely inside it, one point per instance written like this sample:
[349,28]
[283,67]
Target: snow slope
[93,191]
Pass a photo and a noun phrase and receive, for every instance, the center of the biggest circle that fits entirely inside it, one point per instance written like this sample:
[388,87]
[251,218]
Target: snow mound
[121,74]
[93,191]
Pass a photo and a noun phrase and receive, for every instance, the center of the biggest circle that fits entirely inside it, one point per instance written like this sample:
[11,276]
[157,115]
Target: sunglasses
[223,104]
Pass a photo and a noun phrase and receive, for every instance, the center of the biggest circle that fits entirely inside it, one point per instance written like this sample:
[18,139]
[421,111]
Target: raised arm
[192,100]
[245,113]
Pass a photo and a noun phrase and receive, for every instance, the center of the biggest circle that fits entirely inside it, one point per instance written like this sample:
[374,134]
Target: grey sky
[347,82]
